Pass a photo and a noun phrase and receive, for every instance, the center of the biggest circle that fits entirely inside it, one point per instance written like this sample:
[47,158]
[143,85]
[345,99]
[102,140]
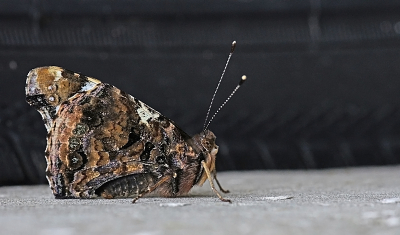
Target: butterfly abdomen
[127,186]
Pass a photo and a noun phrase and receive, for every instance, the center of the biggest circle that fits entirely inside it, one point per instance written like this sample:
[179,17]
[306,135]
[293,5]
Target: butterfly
[103,142]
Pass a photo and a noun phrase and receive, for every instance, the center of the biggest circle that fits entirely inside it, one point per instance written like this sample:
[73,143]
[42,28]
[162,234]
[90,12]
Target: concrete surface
[339,201]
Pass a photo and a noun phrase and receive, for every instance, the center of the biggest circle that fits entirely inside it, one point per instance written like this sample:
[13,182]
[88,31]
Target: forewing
[49,87]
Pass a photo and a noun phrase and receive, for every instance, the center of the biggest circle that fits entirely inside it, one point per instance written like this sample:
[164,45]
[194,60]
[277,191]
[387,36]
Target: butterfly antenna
[216,89]
[242,80]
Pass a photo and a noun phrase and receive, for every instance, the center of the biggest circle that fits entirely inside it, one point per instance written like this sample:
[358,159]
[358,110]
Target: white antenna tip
[244,77]
[233,46]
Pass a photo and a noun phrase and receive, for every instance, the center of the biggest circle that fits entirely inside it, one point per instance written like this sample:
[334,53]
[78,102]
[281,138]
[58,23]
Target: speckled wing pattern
[104,142]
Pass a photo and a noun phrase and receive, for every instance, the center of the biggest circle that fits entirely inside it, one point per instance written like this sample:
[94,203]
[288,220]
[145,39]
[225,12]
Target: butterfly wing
[98,134]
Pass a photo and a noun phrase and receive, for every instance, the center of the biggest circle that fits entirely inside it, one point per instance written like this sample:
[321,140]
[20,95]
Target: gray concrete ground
[339,201]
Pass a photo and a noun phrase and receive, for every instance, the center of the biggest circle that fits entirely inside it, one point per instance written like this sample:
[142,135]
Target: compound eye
[206,144]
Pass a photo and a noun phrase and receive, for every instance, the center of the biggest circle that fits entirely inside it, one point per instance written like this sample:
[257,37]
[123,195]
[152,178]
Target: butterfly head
[208,152]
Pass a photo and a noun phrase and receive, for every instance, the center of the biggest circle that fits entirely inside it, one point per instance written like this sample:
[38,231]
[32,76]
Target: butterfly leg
[219,185]
[210,179]
[152,188]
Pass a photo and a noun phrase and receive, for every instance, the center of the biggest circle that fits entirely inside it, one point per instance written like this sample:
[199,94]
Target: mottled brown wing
[98,134]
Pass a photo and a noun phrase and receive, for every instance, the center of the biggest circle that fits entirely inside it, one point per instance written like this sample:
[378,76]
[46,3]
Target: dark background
[323,85]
